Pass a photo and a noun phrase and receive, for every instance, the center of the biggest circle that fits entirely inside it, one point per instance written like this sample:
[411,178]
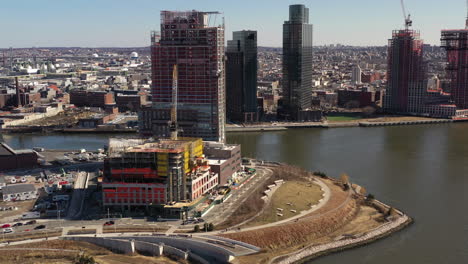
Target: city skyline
[119,23]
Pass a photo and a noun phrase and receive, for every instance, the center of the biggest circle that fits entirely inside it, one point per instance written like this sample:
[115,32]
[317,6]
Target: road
[78,197]
[221,212]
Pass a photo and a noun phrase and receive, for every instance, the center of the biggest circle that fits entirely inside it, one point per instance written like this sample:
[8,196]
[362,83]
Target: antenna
[408,21]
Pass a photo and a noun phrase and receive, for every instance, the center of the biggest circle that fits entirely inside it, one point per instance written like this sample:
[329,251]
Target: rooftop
[18,188]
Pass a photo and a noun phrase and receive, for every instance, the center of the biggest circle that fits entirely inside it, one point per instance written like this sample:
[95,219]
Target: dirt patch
[23,206]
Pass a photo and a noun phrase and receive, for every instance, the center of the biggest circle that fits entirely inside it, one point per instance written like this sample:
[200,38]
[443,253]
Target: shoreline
[344,124]
[237,129]
[312,252]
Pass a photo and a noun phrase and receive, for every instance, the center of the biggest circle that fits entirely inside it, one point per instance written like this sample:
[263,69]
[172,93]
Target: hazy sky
[123,23]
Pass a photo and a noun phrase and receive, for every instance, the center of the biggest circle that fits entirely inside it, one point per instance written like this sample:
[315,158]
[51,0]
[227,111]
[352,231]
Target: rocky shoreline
[316,251]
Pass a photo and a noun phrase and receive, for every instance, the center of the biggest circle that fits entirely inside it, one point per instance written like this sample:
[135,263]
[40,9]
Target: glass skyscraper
[297,62]
[241,77]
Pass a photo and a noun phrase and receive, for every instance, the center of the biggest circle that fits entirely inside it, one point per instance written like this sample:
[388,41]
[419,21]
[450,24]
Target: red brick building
[91,98]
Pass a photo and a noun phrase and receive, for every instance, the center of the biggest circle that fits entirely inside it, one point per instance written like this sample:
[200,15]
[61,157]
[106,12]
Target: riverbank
[370,122]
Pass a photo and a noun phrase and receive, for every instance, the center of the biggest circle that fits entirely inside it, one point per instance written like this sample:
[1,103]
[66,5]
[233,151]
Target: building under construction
[194,42]
[456,44]
[145,172]
[407,91]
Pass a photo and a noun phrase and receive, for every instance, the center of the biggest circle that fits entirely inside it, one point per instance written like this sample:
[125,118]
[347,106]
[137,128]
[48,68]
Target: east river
[422,170]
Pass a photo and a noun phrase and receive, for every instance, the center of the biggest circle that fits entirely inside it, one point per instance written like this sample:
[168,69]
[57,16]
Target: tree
[84,259]
[205,227]
[344,178]
[210,227]
[368,111]
[370,197]
[196,228]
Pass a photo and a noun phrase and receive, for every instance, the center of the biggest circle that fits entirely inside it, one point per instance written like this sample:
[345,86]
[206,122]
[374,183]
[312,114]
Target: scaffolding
[455,43]
[406,72]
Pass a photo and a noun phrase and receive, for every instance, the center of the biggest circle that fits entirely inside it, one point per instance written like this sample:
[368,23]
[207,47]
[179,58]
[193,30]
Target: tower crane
[408,21]
[173,126]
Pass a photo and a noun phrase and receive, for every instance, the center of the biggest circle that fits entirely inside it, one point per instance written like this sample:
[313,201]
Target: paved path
[221,212]
[327,194]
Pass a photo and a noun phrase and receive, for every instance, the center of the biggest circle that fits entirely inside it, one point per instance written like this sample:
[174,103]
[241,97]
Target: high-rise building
[297,62]
[455,43]
[356,75]
[194,41]
[241,77]
[406,73]
[407,91]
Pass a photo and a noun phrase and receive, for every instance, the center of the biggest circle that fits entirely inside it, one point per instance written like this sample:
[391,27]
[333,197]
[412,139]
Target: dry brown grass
[38,234]
[23,206]
[38,256]
[254,204]
[101,255]
[312,228]
[302,195]
[123,259]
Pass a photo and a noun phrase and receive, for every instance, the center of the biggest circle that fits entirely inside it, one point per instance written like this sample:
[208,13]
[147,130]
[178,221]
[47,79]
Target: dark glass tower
[241,77]
[297,62]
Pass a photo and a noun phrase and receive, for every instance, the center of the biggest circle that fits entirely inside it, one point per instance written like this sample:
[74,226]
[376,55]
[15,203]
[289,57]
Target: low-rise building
[19,192]
[224,159]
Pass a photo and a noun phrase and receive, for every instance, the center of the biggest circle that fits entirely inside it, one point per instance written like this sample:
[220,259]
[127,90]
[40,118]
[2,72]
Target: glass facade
[241,76]
[297,61]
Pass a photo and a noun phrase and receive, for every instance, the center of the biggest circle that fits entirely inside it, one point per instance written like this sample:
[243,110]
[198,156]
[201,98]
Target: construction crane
[173,127]
[408,21]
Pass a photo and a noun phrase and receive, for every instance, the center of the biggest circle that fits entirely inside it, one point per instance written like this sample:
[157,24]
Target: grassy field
[343,118]
[301,196]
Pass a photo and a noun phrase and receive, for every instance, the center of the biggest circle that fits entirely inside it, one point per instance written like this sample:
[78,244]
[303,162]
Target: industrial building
[156,173]
[91,98]
[11,159]
[241,77]
[194,42]
[297,64]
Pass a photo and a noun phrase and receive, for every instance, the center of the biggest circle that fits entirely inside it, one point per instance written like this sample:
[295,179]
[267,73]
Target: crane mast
[408,21]
[173,123]
[466,21]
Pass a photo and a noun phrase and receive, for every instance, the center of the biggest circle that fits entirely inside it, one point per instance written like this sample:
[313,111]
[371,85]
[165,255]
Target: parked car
[109,223]
[32,222]
[17,224]
[8,230]
[39,227]
[6,225]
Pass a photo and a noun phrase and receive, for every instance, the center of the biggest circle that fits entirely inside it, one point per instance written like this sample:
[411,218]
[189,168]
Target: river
[422,170]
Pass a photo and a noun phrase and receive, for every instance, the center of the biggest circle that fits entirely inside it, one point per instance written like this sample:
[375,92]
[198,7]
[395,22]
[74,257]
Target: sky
[128,23]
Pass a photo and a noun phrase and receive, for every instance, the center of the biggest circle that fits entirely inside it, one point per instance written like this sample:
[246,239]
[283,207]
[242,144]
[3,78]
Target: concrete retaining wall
[148,248]
[168,250]
[199,247]
[197,258]
[117,245]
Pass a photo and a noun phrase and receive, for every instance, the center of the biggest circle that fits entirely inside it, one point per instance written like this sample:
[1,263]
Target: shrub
[210,227]
[196,228]
[320,174]
[370,197]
